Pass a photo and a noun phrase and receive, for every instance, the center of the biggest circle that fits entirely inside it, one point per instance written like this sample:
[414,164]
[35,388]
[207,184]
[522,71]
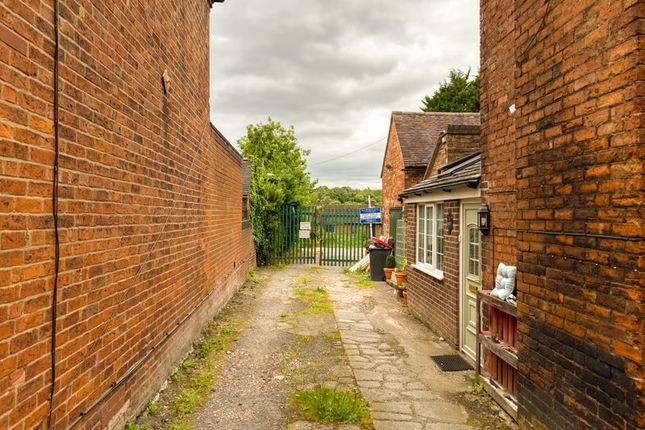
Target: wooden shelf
[502,305]
[502,352]
[501,349]
[505,400]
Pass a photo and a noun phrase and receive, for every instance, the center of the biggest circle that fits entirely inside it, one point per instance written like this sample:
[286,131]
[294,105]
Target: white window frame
[424,266]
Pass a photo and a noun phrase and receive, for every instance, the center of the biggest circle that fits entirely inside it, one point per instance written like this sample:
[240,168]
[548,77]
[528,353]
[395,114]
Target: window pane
[421,233]
[474,263]
[440,237]
[429,232]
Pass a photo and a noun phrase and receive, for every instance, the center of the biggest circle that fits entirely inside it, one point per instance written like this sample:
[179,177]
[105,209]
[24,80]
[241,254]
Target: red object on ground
[381,242]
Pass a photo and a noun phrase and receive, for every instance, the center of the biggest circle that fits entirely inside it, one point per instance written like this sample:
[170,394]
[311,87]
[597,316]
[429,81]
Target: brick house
[147,212]
[562,157]
[411,141]
[444,269]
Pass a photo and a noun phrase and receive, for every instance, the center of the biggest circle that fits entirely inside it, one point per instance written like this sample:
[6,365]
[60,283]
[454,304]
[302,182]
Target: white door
[470,278]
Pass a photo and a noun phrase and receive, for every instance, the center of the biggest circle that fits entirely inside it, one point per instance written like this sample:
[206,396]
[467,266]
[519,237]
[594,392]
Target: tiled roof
[418,132]
[466,171]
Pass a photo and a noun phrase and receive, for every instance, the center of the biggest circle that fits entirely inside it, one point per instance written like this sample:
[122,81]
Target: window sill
[437,274]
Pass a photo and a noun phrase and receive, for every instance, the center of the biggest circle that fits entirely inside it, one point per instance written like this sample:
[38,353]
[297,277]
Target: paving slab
[390,355]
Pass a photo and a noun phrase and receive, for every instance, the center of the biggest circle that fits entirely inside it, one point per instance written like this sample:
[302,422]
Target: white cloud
[335,70]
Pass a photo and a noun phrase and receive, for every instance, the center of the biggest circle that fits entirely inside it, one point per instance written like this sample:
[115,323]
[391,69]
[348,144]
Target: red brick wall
[454,146]
[392,179]
[576,190]
[412,177]
[497,134]
[435,302]
[150,204]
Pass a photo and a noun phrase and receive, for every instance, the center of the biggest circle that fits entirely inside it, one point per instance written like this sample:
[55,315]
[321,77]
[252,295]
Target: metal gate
[342,236]
[293,242]
[330,236]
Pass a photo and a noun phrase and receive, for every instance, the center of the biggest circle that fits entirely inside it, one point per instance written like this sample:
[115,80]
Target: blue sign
[370,215]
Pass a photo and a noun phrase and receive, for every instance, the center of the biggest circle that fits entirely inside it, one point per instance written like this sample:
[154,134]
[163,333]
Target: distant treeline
[324,195]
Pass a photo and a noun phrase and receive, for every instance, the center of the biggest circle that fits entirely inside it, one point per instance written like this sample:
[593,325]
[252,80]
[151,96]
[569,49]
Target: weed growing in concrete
[153,408]
[253,276]
[313,269]
[478,387]
[302,281]
[326,405]
[333,336]
[316,299]
[361,279]
[135,426]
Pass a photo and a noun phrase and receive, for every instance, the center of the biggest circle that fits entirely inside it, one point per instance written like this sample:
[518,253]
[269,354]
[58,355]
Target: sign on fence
[370,215]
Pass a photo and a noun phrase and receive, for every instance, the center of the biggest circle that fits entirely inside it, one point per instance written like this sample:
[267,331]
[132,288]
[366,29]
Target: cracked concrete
[389,352]
[370,343]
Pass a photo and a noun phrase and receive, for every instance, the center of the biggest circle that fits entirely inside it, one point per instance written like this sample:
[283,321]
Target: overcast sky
[335,70]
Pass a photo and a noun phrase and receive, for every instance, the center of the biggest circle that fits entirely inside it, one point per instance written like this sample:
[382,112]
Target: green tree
[458,94]
[279,178]
[324,195]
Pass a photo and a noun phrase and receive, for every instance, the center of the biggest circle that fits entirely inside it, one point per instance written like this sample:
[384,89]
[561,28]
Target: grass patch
[316,299]
[135,426]
[153,408]
[197,373]
[478,387]
[326,405]
[361,279]
[194,377]
[333,336]
[254,277]
[302,281]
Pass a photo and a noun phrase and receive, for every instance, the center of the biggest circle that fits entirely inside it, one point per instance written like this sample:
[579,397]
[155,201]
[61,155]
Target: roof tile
[418,132]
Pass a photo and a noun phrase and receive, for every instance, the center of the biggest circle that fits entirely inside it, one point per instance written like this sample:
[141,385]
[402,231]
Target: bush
[390,262]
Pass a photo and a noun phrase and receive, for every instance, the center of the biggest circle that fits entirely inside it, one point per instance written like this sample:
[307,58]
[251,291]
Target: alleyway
[307,327]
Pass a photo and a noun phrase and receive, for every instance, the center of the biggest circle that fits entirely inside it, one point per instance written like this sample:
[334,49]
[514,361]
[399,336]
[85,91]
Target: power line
[338,157]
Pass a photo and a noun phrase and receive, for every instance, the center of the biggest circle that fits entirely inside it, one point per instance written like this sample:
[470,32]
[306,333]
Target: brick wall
[392,179]
[149,208]
[412,177]
[497,134]
[435,302]
[575,186]
[458,142]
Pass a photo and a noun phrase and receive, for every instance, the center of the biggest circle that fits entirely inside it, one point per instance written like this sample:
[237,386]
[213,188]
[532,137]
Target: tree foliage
[324,195]
[458,94]
[279,177]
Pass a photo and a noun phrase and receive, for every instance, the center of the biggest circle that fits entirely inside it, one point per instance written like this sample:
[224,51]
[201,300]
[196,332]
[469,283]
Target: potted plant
[400,274]
[390,264]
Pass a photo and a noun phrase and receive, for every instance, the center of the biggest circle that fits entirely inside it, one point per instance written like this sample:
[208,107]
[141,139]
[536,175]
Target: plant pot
[400,278]
[388,273]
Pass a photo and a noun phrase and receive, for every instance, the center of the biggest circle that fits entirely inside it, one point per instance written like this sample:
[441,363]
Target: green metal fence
[326,236]
[294,238]
[342,236]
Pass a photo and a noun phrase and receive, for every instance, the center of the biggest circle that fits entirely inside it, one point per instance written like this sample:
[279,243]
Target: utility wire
[531,43]
[338,157]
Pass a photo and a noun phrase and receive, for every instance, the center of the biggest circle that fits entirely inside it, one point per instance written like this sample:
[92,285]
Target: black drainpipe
[52,389]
